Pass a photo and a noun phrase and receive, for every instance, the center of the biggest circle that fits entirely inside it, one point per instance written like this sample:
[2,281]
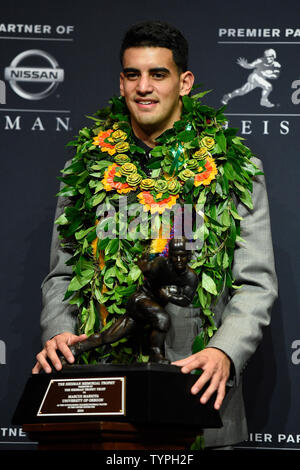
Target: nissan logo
[15,74]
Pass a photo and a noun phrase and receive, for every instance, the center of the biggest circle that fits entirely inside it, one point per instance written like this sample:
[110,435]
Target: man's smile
[144,103]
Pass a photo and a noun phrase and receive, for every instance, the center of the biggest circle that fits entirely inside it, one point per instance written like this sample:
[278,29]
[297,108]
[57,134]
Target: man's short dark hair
[158,34]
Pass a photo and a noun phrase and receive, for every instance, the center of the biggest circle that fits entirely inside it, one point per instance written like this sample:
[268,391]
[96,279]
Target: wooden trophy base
[114,407]
[106,435]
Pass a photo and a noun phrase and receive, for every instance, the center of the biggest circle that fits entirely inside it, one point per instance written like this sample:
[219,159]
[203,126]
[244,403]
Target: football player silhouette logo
[265,68]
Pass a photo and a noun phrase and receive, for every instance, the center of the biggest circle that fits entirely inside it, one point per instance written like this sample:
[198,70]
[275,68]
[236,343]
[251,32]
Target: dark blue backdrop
[84,40]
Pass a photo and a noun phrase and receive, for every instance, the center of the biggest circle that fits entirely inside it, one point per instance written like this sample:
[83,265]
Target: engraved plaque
[84,396]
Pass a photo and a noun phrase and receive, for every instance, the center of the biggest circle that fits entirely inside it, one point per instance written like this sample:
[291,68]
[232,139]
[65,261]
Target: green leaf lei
[198,162]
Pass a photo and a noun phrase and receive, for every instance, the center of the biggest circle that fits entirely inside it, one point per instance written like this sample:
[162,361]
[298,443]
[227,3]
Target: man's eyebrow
[154,69]
[160,69]
[130,69]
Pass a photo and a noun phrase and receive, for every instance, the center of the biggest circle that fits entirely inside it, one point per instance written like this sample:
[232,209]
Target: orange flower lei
[156,195]
[183,169]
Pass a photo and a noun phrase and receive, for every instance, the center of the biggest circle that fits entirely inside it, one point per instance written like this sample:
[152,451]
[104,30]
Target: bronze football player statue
[166,280]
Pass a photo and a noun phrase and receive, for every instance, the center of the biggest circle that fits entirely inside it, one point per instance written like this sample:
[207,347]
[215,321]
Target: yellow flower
[184,175]
[147,183]
[119,135]
[174,187]
[121,158]
[161,186]
[192,164]
[134,179]
[122,147]
[207,142]
[127,169]
[201,153]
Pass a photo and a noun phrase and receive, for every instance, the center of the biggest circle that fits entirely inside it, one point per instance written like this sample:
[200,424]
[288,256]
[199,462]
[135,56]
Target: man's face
[152,87]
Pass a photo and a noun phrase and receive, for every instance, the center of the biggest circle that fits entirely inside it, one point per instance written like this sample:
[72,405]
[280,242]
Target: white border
[121,412]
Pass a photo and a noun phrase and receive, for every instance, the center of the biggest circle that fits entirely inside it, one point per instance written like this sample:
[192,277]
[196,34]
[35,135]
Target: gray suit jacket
[240,315]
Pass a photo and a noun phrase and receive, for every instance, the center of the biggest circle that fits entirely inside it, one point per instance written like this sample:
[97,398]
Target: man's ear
[122,84]
[186,82]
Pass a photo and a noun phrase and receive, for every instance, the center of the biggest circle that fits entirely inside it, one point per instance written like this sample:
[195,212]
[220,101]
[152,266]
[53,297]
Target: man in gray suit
[153,80]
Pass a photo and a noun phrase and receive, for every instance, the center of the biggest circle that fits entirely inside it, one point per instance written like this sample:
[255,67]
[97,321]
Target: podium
[114,407]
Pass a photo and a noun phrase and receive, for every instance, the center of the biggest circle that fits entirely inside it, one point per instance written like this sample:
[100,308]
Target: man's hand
[57,343]
[216,368]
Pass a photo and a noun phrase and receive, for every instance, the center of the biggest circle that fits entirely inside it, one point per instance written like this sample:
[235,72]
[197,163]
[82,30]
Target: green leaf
[112,247]
[229,171]
[198,344]
[97,199]
[209,284]
[121,265]
[207,312]
[62,220]
[202,297]
[247,199]
[109,276]
[67,191]
[225,218]
[136,148]
[225,262]
[199,443]
[75,167]
[82,233]
[91,319]
[232,234]
[134,273]
[200,95]
[77,300]
[221,141]
[239,186]
[188,185]
[235,213]
[102,298]
[102,164]
[186,136]
[157,151]
[80,281]
[187,103]
[99,186]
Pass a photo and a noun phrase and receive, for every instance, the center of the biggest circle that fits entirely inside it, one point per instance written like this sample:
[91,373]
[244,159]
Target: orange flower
[105,146]
[101,254]
[150,204]
[109,183]
[101,262]
[208,173]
